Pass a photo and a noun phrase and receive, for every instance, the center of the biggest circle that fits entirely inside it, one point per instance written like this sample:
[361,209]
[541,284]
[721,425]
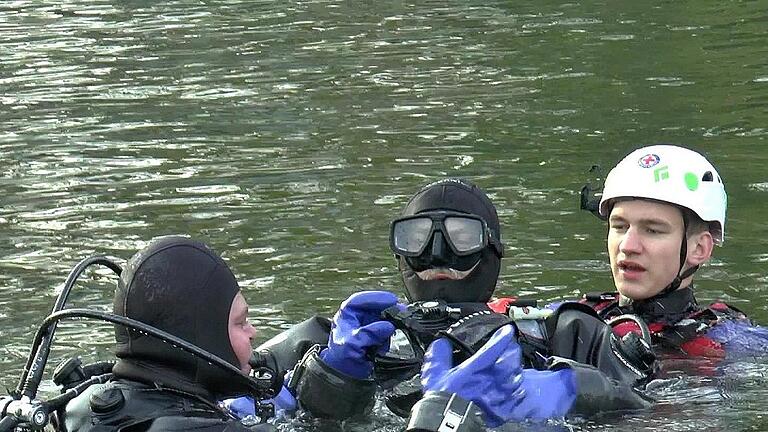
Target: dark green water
[288,134]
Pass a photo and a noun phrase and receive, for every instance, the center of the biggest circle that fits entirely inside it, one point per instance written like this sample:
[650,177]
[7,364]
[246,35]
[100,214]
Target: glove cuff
[328,393]
[444,412]
[596,392]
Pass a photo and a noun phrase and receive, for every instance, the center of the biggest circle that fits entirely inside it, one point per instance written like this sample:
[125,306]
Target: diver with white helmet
[665,207]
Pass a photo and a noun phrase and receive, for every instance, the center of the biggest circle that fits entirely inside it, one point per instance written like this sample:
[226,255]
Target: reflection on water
[288,134]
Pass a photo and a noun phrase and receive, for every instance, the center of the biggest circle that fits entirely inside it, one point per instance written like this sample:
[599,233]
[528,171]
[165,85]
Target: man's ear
[700,248]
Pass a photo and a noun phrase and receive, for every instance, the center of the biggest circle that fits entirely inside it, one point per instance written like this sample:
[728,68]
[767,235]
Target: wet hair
[695,224]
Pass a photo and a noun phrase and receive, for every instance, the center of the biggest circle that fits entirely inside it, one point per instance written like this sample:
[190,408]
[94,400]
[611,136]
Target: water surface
[288,134]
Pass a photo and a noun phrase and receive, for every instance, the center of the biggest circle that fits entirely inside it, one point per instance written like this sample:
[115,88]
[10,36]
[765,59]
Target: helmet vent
[707,176]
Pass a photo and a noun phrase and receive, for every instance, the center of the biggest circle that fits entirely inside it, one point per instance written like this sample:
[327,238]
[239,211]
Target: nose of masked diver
[439,262]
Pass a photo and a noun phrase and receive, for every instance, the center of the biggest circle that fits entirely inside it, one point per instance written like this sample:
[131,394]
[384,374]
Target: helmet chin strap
[681,275]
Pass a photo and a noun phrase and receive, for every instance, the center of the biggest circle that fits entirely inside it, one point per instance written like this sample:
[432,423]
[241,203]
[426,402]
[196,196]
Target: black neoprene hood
[458,195]
[183,287]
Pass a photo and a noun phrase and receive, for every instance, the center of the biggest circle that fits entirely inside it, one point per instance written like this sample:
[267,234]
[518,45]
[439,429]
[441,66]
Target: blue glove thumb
[547,394]
[357,332]
[491,378]
[285,401]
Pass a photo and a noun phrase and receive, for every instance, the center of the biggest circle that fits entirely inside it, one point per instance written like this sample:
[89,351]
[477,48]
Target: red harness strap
[501,305]
[686,338]
[698,346]
[690,342]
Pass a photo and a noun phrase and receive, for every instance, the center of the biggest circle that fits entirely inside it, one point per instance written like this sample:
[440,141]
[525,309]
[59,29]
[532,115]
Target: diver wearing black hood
[479,268]
[182,287]
[454,261]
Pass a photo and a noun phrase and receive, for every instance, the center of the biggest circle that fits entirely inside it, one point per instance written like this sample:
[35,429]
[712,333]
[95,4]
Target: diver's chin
[445,273]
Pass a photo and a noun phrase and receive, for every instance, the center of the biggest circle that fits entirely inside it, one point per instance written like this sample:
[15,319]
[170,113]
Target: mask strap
[498,247]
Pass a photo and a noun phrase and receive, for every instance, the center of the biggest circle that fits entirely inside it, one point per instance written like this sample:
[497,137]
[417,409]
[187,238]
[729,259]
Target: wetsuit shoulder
[124,403]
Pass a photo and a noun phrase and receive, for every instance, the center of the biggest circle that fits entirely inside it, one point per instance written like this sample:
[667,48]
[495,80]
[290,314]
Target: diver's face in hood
[184,288]
[439,272]
[241,332]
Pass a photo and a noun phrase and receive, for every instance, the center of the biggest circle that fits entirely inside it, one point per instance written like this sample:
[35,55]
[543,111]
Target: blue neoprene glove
[491,378]
[241,407]
[740,337]
[358,331]
[547,394]
[245,406]
[285,401]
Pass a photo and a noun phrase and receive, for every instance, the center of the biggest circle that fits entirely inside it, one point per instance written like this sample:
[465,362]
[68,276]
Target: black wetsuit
[578,338]
[126,405]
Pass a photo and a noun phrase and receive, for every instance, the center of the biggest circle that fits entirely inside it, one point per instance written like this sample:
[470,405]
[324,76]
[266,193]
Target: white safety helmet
[670,174]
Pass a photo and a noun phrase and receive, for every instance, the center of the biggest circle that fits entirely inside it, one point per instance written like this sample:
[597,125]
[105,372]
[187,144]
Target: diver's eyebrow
[612,217]
[648,221]
[654,222]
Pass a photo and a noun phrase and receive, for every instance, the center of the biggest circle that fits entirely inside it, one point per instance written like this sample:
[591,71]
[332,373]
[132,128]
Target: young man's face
[241,332]
[644,240]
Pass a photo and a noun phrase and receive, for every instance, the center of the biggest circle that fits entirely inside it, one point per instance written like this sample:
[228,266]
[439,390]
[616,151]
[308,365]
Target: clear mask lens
[465,235]
[412,234]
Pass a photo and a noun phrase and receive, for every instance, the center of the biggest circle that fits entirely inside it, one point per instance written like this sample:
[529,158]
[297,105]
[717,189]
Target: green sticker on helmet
[691,181]
[661,173]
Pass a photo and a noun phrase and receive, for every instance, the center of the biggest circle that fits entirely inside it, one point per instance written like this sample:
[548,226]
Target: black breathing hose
[32,373]
[259,389]
[34,413]
[9,423]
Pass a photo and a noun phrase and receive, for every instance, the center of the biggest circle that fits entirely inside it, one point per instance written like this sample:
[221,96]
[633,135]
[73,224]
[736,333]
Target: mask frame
[441,221]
